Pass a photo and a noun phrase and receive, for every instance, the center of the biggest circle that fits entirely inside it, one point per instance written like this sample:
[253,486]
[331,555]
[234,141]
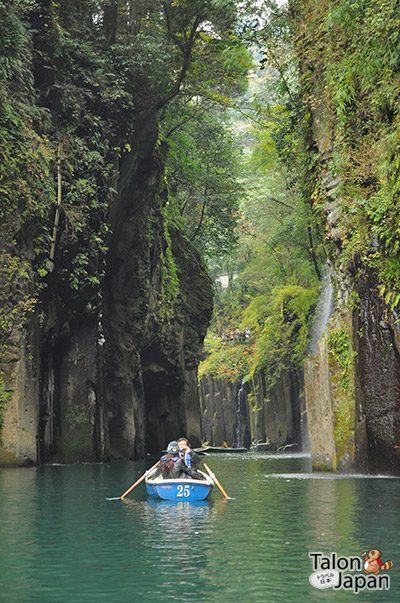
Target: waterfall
[241,415]
[323,313]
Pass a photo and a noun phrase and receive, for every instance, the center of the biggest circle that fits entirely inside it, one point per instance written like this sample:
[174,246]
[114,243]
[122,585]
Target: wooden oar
[139,480]
[213,477]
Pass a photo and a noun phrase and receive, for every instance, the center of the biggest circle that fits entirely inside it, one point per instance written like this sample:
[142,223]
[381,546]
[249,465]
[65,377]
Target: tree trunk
[110,18]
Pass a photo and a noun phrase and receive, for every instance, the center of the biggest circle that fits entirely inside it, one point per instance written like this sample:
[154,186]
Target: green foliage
[203,179]
[203,162]
[15,276]
[283,338]
[82,72]
[279,326]
[341,367]
[25,185]
[354,47]
[278,254]
[76,418]
[5,396]
[344,427]
[339,346]
[170,288]
[28,154]
[225,360]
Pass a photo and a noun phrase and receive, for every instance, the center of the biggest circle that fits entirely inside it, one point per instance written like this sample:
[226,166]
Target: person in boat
[173,466]
[191,457]
[224,445]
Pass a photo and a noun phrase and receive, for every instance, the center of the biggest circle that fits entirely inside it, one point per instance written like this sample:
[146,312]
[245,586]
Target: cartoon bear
[373,564]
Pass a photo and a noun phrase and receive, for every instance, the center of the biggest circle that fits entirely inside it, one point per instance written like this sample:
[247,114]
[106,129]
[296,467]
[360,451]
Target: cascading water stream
[323,313]
[241,415]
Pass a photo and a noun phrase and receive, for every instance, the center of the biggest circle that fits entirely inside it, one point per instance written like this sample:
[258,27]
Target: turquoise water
[62,540]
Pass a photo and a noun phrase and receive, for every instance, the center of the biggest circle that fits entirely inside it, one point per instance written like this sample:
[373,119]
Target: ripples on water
[62,539]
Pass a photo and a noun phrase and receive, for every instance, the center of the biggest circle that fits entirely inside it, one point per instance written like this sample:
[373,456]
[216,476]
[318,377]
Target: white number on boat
[183,490]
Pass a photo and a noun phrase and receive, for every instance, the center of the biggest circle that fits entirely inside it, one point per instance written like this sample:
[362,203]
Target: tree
[202,172]
[276,260]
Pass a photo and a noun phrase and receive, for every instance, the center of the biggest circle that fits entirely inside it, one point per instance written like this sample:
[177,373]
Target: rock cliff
[113,375]
[353,383]
[244,411]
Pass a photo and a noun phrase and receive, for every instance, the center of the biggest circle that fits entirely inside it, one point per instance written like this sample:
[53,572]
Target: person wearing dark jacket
[191,457]
[173,466]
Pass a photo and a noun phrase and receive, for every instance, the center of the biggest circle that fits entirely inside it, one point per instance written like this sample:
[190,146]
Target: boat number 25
[183,490]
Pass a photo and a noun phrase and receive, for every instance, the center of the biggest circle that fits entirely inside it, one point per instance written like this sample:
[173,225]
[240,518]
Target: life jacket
[174,458]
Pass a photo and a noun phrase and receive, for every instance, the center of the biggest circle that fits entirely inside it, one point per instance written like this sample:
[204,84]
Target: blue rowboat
[179,489]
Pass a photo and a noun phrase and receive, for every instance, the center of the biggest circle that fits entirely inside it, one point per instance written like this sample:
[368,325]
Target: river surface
[63,540]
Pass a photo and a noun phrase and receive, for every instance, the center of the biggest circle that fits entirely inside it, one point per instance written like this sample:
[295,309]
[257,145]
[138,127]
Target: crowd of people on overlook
[236,336]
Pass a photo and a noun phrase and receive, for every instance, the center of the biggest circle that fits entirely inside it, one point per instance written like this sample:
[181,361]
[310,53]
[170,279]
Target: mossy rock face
[76,441]
[318,466]
[356,202]
[8,459]
[77,446]
[342,358]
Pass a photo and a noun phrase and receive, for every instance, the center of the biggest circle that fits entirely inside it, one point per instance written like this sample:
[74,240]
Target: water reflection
[330,476]
[61,540]
[177,506]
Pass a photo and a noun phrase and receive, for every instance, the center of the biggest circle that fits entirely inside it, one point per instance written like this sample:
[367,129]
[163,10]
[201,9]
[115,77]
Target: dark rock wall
[152,342]
[131,279]
[378,381]
[170,356]
[19,349]
[370,439]
[72,422]
[274,415]
[334,427]
[219,398]
[116,376]
[357,428]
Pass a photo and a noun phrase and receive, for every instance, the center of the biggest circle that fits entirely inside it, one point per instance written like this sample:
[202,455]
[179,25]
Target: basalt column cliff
[348,58]
[123,370]
[158,303]
[104,302]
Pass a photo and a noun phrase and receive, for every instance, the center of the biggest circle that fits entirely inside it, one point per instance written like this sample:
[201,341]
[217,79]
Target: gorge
[101,344]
